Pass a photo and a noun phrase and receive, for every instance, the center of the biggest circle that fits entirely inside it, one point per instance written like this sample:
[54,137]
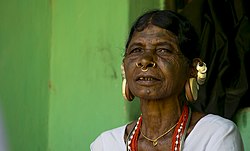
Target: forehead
[153,34]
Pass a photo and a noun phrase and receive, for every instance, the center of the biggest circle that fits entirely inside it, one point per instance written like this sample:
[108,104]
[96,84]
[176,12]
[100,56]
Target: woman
[161,69]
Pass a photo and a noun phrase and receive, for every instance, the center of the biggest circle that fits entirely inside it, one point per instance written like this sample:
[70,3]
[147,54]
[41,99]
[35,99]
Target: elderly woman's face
[155,67]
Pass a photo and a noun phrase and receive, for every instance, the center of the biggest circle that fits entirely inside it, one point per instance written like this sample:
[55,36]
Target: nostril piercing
[153,65]
[138,65]
[144,70]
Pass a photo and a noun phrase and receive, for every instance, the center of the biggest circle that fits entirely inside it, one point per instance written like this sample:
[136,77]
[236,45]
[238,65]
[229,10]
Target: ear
[191,86]
[128,93]
[193,70]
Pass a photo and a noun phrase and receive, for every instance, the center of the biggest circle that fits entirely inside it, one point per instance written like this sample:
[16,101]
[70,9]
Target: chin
[143,92]
[151,96]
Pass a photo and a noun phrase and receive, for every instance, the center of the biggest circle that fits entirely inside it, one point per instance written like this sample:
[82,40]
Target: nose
[145,62]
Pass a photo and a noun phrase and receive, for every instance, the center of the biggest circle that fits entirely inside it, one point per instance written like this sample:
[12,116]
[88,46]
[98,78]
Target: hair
[173,22]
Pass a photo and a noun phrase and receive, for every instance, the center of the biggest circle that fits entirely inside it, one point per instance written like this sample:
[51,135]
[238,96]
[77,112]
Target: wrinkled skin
[156,50]
[170,73]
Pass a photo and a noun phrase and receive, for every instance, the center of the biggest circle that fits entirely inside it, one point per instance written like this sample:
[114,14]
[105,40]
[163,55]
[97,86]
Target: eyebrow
[136,44]
[163,43]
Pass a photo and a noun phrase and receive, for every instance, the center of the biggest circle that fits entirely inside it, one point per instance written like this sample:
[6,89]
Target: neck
[159,115]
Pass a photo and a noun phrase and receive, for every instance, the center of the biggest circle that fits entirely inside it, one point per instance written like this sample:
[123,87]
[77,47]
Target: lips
[147,80]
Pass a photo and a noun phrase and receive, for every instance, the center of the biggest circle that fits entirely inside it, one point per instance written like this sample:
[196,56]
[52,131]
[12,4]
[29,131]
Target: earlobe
[129,95]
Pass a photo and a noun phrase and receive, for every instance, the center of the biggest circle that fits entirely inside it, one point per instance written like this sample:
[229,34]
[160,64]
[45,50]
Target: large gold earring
[192,84]
[191,89]
[124,83]
[127,95]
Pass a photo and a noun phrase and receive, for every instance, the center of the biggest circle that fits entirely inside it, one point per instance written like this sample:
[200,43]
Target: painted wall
[242,119]
[88,39]
[60,84]
[25,29]
[87,46]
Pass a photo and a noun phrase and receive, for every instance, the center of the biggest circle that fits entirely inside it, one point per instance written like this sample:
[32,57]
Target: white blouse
[211,133]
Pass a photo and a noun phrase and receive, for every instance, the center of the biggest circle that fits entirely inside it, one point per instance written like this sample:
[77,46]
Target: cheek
[168,67]
[174,71]
[128,68]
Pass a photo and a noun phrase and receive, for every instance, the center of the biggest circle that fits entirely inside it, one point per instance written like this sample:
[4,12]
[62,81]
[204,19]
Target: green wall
[87,46]
[88,40]
[24,65]
[242,119]
[60,80]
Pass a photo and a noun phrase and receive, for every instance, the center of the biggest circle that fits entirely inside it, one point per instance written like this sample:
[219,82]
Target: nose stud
[144,68]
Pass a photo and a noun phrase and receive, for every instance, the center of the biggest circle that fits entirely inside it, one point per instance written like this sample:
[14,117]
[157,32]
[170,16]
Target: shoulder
[217,126]
[109,140]
[216,121]
[216,133]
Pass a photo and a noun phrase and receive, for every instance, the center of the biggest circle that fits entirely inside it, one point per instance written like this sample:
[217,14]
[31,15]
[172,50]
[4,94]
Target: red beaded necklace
[178,136]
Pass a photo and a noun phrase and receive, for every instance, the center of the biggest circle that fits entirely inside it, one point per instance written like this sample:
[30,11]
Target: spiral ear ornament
[201,75]
[192,85]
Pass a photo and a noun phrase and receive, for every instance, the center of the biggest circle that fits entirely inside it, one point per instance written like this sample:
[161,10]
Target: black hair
[173,22]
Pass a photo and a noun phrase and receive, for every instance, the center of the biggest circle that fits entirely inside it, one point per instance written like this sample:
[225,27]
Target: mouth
[147,80]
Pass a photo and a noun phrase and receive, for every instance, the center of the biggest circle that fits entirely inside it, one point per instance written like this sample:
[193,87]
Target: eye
[163,51]
[136,50]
